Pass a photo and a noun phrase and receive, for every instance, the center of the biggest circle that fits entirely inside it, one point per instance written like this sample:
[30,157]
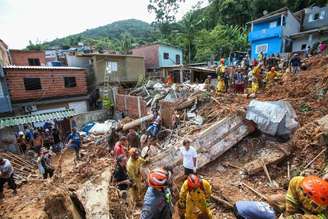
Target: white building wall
[74,61]
[297,43]
[292,25]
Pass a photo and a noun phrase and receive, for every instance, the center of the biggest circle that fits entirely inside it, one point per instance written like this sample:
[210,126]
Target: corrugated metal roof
[40,67]
[26,119]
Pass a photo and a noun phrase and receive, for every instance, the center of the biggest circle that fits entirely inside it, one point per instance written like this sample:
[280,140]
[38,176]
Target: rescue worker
[194,195]
[220,73]
[271,75]
[253,210]
[133,167]
[307,198]
[256,78]
[158,198]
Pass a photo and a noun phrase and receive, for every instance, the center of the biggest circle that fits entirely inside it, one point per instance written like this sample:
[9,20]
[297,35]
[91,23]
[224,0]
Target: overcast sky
[44,20]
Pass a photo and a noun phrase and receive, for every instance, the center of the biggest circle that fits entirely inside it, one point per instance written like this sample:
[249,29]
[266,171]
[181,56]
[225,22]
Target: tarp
[273,117]
[103,128]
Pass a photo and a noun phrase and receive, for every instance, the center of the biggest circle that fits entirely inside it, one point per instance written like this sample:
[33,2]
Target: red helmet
[316,188]
[158,178]
[194,181]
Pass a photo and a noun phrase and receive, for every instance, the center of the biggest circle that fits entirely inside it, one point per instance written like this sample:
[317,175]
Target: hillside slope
[137,29]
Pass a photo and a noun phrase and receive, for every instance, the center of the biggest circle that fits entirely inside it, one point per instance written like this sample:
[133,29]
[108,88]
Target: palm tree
[126,43]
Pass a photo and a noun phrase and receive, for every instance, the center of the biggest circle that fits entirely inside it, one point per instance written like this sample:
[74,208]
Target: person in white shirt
[189,156]
[6,175]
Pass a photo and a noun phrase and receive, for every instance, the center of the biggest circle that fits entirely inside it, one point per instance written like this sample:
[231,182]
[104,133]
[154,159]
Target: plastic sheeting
[273,117]
[103,128]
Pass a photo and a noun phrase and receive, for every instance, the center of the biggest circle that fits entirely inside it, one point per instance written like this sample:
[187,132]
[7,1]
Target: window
[111,67]
[316,16]
[32,84]
[322,15]
[177,60]
[70,82]
[34,62]
[166,55]
[303,47]
[273,24]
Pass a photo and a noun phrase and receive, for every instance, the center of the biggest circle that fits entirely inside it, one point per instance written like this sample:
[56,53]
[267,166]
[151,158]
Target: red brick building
[27,58]
[45,88]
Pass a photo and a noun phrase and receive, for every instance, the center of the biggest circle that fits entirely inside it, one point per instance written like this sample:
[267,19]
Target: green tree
[220,42]
[187,29]
[35,46]
[126,43]
[165,11]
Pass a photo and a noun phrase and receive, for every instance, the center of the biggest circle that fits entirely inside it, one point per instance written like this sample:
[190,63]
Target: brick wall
[20,57]
[129,105]
[52,83]
[150,54]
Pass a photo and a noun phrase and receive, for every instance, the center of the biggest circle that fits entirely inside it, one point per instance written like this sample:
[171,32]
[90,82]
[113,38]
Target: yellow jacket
[198,195]
[220,71]
[133,168]
[298,203]
[270,75]
[257,72]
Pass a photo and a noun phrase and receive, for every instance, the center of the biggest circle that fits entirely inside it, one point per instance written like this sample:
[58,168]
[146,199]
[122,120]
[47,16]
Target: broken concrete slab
[93,194]
[268,157]
[210,143]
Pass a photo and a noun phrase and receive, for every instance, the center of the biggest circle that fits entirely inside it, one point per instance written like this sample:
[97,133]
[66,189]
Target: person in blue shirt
[253,210]
[74,142]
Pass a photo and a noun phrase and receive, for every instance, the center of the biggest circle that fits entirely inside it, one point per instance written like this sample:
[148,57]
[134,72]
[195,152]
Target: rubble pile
[259,161]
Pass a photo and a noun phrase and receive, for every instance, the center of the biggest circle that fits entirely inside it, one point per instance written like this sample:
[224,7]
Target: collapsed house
[241,160]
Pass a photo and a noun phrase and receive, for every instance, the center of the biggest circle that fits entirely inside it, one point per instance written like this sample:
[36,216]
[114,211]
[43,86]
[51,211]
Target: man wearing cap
[6,175]
[133,167]
[158,199]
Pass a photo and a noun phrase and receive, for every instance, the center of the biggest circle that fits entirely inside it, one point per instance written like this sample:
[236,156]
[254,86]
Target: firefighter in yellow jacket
[256,78]
[220,73]
[133,168]
[194,196]
[307,198]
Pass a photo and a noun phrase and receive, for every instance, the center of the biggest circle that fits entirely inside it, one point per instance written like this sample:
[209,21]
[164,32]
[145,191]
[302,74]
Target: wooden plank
[210,144]
[274,156]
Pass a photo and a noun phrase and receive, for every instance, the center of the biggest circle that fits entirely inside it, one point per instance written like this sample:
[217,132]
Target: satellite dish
[265,12]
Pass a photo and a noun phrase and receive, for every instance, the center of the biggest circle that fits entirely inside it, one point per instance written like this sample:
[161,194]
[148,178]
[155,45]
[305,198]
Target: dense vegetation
[203,33]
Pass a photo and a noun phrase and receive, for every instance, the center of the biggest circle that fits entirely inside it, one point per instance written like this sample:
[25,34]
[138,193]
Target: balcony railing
[265,34]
